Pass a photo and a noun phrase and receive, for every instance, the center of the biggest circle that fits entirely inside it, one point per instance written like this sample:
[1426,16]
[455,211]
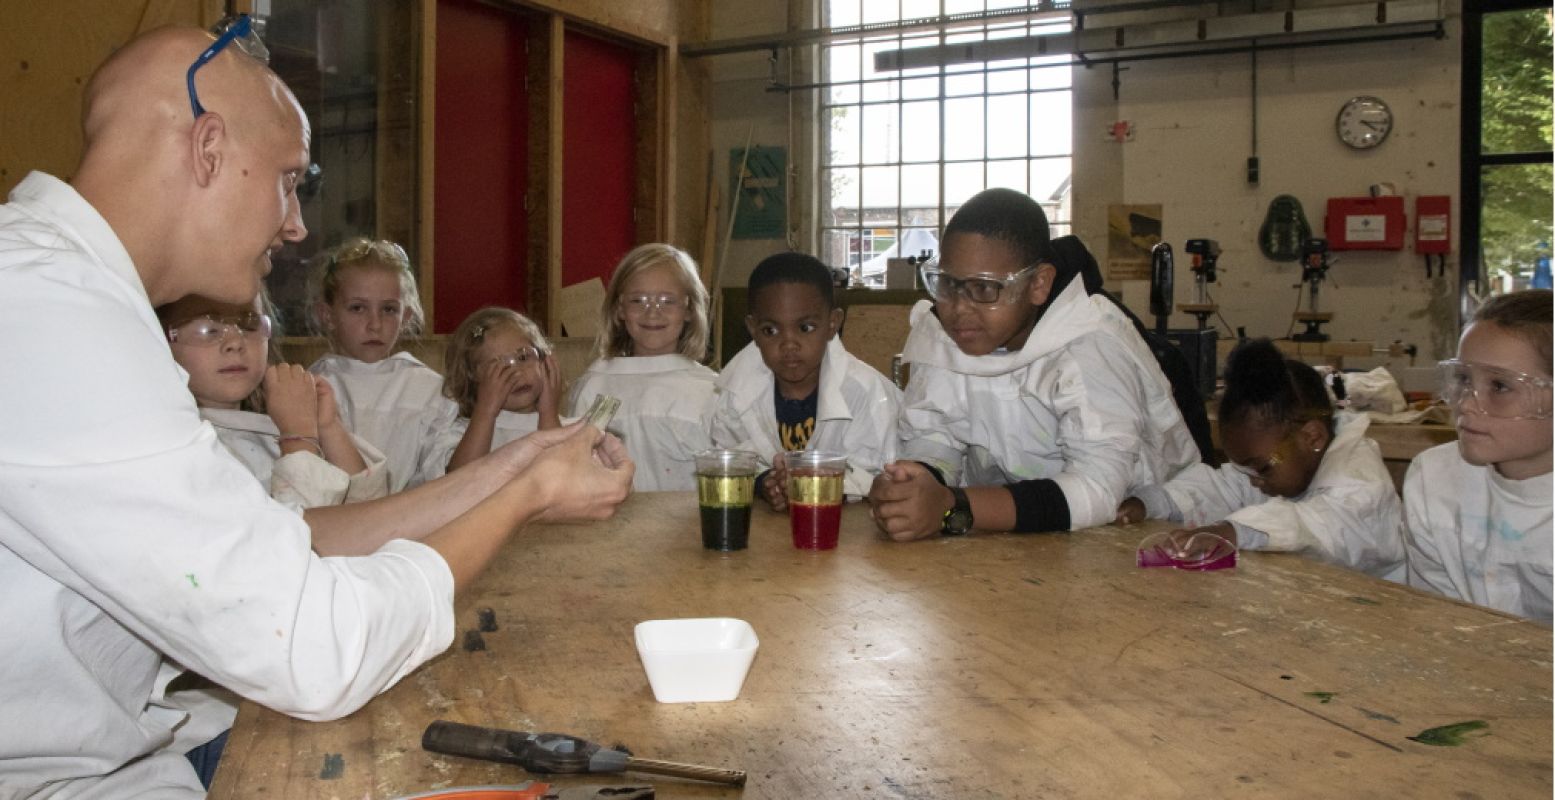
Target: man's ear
[208,139]
[837,316]
[1313,435]
[1041,286]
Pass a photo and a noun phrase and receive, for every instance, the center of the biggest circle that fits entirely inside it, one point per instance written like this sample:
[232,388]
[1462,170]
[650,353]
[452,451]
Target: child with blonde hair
[364,300]
[653,334]
[1477,511]
[503,377]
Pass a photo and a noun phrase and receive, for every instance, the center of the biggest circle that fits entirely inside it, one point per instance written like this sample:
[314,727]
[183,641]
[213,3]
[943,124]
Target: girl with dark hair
[1033,404]
[1477,511]
[1298,476]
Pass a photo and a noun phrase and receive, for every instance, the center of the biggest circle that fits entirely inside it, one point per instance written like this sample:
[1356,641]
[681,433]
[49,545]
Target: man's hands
[579,472]
[908,503]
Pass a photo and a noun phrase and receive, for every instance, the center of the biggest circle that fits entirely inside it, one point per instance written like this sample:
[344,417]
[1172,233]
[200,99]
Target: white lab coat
[303,479]
[510,425]
[1349,515]
[128,532]
[855,415]
[666,407]
[398,405]
[1473,534]
[1083,403]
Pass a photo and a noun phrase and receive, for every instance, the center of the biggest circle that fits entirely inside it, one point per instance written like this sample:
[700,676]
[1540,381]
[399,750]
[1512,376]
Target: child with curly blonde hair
[504,378]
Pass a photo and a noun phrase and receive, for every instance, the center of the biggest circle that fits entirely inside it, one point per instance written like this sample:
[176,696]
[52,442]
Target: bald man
[127,532]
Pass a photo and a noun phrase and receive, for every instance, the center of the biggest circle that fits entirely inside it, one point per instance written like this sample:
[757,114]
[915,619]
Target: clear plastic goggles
[210,330]
[523,356]
[1496,392]
[943,286]
[1200,552]
[643,303]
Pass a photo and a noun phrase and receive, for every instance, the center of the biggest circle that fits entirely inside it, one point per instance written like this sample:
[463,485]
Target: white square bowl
[696,660]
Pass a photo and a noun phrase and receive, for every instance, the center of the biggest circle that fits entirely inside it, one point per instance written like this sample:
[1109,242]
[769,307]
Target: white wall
[1192,120]
[1192,130]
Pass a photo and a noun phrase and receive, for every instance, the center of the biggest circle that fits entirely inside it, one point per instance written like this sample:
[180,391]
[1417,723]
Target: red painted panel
[482,120]
[599,141]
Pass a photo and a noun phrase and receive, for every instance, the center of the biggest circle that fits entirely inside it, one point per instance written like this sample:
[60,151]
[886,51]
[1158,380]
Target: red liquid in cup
[815,506]
[815,527]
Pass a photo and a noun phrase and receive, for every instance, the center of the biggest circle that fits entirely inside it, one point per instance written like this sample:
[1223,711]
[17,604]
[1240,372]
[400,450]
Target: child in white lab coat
[503,377]
[364,299]
[653,334]
[275,418]
[282,424]
[1477,512]
[1298,477]
[795,387]
[1033,405]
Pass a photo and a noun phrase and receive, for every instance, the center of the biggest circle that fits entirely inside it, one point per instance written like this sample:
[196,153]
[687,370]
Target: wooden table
[989,666]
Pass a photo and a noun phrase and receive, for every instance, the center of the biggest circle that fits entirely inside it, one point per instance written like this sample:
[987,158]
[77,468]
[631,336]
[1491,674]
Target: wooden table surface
[988,666]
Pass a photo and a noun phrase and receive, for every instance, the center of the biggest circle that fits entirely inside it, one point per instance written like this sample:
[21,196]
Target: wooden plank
[989,666]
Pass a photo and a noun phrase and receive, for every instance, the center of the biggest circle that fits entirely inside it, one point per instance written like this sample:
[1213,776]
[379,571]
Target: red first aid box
[1365,223]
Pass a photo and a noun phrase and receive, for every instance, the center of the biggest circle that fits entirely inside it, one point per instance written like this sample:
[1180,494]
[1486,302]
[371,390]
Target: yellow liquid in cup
[815,487]
[726,490]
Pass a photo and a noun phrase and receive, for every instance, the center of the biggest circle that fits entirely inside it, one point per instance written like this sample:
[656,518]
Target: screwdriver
[553,753]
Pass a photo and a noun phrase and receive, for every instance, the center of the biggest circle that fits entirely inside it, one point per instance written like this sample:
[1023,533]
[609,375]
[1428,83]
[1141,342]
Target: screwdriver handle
[728,777]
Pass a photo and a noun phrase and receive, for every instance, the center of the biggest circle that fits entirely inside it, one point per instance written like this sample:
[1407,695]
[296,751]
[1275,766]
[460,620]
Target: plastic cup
[815,497]
[726,484]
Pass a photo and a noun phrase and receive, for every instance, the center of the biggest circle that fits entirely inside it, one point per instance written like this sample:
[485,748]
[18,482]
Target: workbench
[984,666]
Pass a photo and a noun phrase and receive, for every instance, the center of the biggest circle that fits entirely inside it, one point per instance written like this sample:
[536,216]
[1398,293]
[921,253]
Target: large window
[1507,176]
[904,149]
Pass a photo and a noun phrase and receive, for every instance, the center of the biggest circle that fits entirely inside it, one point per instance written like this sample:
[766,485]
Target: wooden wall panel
[49,52]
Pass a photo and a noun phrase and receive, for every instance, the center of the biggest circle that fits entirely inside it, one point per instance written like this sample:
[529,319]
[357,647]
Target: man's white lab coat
[127,531]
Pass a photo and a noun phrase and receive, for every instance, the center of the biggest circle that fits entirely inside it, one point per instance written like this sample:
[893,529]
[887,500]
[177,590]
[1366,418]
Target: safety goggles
[528,355]
[1274,459]
[984,288]
[1497,392]
[211,330]
[1200,552]
[643,303]
[231,30]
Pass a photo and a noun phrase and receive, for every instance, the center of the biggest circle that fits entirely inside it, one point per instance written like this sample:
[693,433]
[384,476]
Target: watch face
[1364,122]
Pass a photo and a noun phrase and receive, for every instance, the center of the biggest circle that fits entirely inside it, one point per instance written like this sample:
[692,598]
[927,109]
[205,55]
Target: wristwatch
[958,520]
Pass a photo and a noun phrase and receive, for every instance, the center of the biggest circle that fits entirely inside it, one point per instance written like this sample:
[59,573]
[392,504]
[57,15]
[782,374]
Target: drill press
[1314,270]
[1205,252]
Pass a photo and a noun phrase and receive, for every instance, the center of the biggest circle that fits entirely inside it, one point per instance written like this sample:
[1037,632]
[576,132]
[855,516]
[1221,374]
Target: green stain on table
[1449,735]
[1322,697]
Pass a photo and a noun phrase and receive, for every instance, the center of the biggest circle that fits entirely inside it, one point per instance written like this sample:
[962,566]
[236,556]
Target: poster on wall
[761,211]
[1131,231]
